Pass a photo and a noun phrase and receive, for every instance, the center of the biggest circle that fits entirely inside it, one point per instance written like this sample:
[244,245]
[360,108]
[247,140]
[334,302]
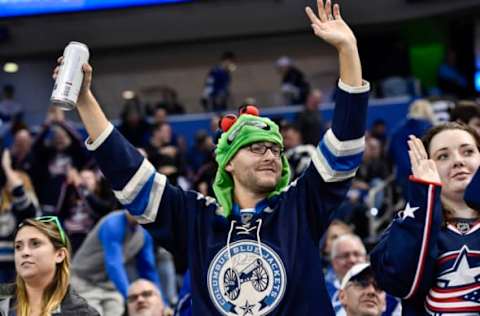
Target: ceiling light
[128,94]
[10,67]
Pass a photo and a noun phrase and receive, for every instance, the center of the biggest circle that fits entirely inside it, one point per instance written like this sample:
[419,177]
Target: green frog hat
[237,133]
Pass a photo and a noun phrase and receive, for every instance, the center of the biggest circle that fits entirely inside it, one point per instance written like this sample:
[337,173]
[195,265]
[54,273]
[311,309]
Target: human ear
[342,297]
[229,167]
[60,255]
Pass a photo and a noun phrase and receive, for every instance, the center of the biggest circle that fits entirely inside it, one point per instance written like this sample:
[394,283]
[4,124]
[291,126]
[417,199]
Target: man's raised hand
[329,25]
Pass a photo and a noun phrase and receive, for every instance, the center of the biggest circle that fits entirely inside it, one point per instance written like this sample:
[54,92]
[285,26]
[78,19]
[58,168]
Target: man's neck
[246,198]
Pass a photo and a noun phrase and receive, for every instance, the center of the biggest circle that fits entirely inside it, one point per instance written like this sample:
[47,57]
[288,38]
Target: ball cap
[354,272]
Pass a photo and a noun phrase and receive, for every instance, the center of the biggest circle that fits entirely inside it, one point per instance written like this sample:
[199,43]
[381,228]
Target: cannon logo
[243,283]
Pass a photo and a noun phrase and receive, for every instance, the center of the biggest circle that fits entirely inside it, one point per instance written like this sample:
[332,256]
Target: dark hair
[8,90]
[427,139]
[464,111]
[227,56]
[285,126]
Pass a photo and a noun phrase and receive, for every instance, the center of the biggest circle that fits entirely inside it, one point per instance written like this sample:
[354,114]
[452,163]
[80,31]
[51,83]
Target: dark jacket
[72,304]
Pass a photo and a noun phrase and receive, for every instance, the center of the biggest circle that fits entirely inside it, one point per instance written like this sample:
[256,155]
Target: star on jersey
[247,308]
[407,212]
[461,273]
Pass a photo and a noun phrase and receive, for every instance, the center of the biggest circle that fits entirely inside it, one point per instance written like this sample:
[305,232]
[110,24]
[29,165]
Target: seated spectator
[201,152]
[360,294]
[117,244]
[336,229]
[159,116]
[133,125]
[18,202]
[21,150]
[441,107]
[52,158]
[203,180]
[145,299]
[373,170]
[42,262]
[468,113]
[419,120]
[295,87]
[214,123]
[298,155]
[164,154]
[81,204]
[347,250]
[378,130]
[310,120]
[170,101]
[9,129]
[371,174]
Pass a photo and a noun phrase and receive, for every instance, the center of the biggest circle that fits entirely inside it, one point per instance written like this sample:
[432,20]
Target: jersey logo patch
[458,285]
[409,211]
[245,283]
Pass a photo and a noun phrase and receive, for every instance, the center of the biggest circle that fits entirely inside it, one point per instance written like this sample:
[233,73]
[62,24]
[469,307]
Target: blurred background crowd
[166,97]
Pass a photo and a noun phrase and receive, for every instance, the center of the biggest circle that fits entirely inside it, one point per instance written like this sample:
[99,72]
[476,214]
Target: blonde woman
[17,202]
[42,263]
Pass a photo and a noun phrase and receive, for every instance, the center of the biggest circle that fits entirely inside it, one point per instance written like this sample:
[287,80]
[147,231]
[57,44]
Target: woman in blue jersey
[430,255]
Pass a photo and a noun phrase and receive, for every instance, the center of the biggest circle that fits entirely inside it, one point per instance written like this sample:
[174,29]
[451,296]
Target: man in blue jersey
[254,249]
[115,246]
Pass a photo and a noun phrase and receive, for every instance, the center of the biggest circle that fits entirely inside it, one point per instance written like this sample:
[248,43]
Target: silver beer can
[70,76]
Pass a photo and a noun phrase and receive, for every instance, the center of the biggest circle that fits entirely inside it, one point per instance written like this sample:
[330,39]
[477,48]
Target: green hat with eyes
[246,130]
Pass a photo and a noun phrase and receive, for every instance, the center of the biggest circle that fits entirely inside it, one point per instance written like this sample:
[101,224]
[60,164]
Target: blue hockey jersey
[264,263]
[433,266]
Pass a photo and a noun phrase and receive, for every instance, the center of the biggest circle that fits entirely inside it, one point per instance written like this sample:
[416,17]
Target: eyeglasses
[261,149]
[132,298]
[56,221]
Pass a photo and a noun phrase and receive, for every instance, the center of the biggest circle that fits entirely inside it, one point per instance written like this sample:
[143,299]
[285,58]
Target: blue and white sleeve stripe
[336,160]
[136,183]
[340,152]
[134,180]
[143,193]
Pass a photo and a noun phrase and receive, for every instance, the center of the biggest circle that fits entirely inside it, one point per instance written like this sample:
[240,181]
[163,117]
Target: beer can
[70,76]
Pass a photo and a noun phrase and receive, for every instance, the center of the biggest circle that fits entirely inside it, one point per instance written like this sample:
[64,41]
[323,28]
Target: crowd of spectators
[47,171]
